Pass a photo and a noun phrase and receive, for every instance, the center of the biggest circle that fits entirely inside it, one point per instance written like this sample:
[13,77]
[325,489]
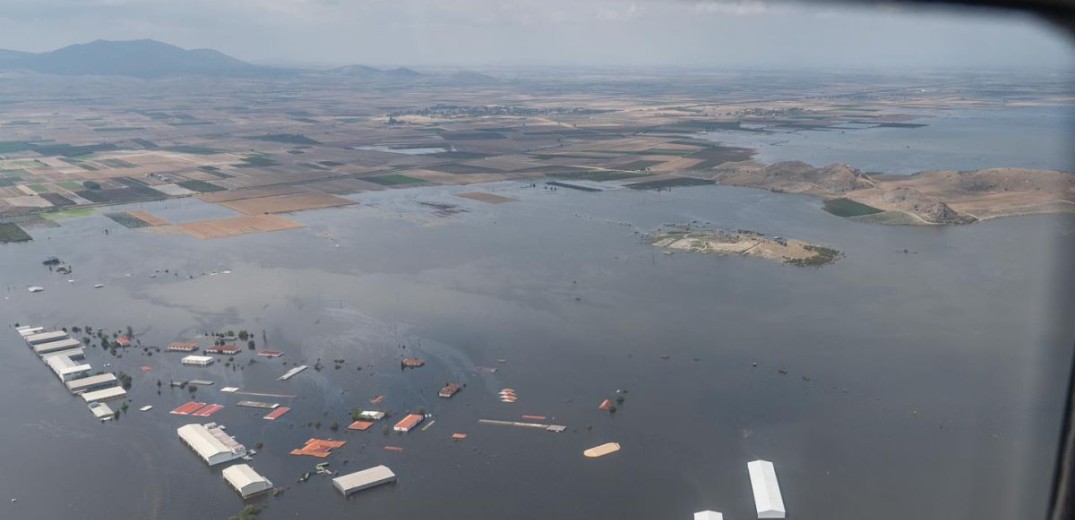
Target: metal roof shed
[365,479]
[245,480]
[29,330]
[53,346]
[708,515]
[767,498]
[45,337]
[74,353]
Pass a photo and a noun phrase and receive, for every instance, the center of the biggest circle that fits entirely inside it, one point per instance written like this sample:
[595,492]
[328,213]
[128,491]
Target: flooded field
[954,138]
[920,376]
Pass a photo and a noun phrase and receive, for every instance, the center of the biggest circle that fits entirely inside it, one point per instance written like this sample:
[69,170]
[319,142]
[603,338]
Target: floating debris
[459,436]
[606,405]
[602,450]
[534,417]
[507,395]
[229,389]
[146,408]
[377,400]
[392,448]
[200,382]
[429,424]
[35,288]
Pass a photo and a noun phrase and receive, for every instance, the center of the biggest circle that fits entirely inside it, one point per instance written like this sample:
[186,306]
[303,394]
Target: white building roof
[72,353]
[245,480]
[105,394]
[78,384]
[28,330]
[197,360]
[708,515]
[45,337]
[102,411]
[53,346]
[211,444]
[767,498]
[64,367]
[364,479]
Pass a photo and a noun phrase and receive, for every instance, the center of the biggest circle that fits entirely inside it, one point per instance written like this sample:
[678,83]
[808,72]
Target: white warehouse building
[211,443]
[767,498]
[245,480]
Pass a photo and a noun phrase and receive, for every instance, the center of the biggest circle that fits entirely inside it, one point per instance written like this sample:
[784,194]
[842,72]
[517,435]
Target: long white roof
[52,346]
[69,353]
[708,515]
[76,384]
[45,337]
[104,394]
[767,498]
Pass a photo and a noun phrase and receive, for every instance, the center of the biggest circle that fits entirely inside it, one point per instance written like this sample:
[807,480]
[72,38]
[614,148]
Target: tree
[250,344]
[334,426]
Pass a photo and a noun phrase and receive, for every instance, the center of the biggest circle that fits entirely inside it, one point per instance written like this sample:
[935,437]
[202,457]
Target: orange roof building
[360,425]
[319,448]
[450,389]
[408,423]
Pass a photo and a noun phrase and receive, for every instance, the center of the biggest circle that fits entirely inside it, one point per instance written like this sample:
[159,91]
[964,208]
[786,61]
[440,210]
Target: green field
[200,186]
[69,213]
[13,233]
[15,146]
[192,149]
[38,188]
[71,185]
[393,180]
[256,160]
[842,207]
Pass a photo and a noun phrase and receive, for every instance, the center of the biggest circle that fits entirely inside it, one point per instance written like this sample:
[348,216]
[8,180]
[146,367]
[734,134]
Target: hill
[137,58]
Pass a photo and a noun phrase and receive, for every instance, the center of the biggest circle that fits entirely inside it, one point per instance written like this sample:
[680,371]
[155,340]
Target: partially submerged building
[408,423]
[67,369]
[211,443]
[182,347]
[29,330]
[245,480]
[197,361]
[102,412]
[55,346]
[365,479]
[708,515]
[767,498]
[450,389]
[74,353]
[228,350]
[106,394]
[45,337]
[371,415]
[91,383]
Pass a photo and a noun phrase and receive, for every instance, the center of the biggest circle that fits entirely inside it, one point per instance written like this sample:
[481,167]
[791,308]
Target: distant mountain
[469,76]
[138,58]
[367,72]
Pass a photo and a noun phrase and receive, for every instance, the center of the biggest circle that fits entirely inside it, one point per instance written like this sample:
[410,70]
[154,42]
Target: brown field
[251,193]
[233,226]
[485,197]
[286,203]
[149,218]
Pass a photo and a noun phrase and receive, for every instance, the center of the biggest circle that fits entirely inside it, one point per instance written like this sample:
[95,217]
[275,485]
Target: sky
[475,33]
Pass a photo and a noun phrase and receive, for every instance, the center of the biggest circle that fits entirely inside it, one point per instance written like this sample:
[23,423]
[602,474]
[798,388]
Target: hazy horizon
[526,33]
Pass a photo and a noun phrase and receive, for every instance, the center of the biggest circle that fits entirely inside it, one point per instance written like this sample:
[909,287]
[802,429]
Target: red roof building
[408,423]
[450,389]
[229,350]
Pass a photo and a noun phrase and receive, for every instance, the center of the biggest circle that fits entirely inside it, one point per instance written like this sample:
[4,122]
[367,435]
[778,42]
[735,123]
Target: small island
[747,243]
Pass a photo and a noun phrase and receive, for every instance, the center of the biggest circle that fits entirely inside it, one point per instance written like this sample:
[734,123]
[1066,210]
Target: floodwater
[955,139]
[925,384]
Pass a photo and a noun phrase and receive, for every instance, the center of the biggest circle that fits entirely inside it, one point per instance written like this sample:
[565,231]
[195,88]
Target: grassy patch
[117,163]
[200,186]
[70,213]
[393,180]
[13,233]
[843,207]
[252,161]
[70,185]
[599,176]
[822,256]
[286,138]
[38,188]
[192,149]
